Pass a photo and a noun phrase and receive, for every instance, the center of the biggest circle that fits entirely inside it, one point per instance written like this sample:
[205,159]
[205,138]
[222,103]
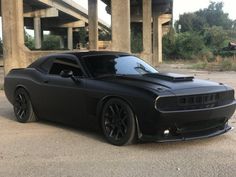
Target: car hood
[174,83]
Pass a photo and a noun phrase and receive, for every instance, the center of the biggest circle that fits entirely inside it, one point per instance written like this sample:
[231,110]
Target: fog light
[166,132]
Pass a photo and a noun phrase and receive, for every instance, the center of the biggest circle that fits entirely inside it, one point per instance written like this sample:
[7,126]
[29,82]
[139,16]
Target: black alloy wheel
[118,122]
[22,106]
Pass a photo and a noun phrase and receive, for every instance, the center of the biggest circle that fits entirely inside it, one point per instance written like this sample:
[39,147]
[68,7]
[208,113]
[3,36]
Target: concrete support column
[157,41]
[120,11]
[147,30]
[13,35]
[37,33]
[70,38]
[93,24]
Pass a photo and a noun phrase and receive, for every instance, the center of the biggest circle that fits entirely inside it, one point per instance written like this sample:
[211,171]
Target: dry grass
[221,65]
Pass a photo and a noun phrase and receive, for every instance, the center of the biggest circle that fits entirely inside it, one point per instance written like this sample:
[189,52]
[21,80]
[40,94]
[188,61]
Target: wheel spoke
[22,113]
[18,112]
[117,135]
[117,109]
[109,124]
[124,124]
[111,132]
[112,110]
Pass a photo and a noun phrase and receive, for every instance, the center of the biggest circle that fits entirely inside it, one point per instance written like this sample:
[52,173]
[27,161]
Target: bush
[136,38]
[207,55]
[51,42]
[200,65]
[215,37]
[188,45]
[29,41]
[226,65]
[169,45]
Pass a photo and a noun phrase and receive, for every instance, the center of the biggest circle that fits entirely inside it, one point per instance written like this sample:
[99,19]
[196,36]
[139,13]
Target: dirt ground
[51,150]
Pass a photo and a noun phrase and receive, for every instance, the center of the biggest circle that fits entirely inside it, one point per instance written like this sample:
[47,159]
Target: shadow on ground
[7,113]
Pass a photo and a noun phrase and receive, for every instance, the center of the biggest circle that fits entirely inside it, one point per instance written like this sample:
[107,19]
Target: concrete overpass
[61,17]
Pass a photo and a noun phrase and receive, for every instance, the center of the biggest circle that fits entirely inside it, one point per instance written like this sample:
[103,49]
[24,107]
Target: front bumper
[192,124]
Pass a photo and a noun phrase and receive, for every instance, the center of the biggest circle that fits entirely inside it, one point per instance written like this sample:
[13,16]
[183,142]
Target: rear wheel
[118,122]
[22,107]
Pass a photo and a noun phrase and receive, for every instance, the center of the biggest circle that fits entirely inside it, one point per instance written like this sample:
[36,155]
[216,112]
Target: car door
[63,97]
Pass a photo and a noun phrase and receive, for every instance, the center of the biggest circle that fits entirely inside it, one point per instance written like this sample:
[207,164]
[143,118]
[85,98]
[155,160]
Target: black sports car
[124,96]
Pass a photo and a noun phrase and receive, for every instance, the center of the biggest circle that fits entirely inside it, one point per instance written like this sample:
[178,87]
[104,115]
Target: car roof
[94,53]
[79,55]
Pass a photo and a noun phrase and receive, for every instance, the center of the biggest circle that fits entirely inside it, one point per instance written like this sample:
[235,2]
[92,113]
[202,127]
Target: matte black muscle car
[124,96]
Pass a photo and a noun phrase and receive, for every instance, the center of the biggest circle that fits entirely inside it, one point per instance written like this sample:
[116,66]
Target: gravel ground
[51,150]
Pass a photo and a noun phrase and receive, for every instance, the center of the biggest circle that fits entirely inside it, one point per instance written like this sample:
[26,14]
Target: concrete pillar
[93,24]
[37,33]
[157,40]
[14,51]
[147,30]
[70,38]
[120,11]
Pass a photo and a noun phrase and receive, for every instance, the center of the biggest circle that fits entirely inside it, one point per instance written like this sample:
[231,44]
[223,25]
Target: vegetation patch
[222,65]
[199,65]
[203,34]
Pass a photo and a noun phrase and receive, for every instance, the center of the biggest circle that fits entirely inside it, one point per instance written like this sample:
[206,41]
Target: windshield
[107,65]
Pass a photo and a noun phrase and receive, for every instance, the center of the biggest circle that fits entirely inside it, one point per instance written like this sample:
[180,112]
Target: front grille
[190,102]
[198,101]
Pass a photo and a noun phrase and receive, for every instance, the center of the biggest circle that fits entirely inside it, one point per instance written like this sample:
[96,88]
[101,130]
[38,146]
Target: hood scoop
[172,77]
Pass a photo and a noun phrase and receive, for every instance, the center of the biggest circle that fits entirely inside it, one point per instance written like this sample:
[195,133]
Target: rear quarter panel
[30,79]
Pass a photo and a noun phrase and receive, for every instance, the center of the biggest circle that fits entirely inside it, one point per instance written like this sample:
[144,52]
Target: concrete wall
[16,55]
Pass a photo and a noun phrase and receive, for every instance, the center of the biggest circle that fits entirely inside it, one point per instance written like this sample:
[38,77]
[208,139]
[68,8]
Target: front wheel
[118,122]
[22,107]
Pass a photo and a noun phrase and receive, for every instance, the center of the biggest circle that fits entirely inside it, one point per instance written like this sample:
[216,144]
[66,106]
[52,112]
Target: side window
[45,66]
[61,64]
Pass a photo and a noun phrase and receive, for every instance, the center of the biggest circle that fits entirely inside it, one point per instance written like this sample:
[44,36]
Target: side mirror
[66,73]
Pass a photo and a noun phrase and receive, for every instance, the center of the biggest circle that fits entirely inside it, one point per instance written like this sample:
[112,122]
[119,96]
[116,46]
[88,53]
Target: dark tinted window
[65,64]
[46,65]
[112,65]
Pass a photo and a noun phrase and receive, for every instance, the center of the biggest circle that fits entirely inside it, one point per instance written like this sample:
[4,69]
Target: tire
[22,107]
[118,123]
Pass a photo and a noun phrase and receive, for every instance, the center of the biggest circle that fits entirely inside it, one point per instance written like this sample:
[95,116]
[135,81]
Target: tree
[136,38]
[204,18]
[29,41]
[215,16]
[215,37]
[169,44]
[191,22]
[104,36]
[189,45]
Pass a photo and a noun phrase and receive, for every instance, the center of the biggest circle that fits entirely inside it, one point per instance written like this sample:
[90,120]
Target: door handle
[46,81]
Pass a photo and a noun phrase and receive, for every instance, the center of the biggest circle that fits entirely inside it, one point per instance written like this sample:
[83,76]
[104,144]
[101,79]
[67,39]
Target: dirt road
[46,149]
